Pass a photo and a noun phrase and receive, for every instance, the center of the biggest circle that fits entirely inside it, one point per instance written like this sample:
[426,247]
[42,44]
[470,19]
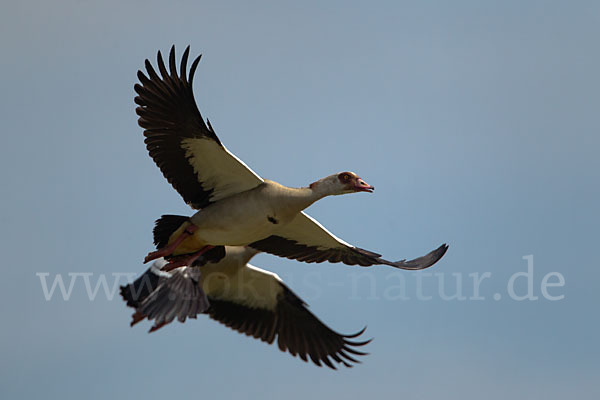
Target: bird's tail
[163,296]
[137,291]
[165,226]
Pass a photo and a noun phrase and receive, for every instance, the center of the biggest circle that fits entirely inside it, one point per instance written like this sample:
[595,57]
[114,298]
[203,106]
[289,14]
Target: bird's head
[342,183]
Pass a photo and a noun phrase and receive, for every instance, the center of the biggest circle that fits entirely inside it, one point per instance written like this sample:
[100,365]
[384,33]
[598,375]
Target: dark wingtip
[358,344]
[142,77]
[349,346]
[440,251]
[172,64]
[423,262]
[348,357]
[161,65]
[183,65]
[150,69]
[193,68]
[434,256]
[357,334]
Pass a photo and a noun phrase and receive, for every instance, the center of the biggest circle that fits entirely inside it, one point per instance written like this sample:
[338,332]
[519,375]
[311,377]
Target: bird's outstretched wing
[187,150]
[247,299]
[257,303]
[304,239]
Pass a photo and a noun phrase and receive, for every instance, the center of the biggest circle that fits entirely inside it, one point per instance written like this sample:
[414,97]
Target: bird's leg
[184,261]
[168,250]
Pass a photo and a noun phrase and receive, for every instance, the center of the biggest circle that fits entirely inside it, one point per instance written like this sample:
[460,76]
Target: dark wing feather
[187,151]
[304,239]
[162,296]
[181,298]
[297,330]
[137,291]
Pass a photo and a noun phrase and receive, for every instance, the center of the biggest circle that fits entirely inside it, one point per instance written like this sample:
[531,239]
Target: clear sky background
[477,122]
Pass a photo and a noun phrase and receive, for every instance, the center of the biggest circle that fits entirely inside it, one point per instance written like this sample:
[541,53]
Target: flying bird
[235,206]
[243,297]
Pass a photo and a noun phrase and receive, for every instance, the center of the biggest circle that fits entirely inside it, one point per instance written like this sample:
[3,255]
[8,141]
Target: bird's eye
[344,177]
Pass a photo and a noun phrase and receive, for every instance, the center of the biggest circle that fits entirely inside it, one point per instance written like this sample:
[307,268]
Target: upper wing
[257,303]
[187,151]
[304,239]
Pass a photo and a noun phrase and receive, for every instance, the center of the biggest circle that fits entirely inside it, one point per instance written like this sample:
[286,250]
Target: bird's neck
[301,198]
[319,189]
[305,196]
[297,199]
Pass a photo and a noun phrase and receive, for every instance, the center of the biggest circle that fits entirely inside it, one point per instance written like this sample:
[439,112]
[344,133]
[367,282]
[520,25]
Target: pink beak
[362,186]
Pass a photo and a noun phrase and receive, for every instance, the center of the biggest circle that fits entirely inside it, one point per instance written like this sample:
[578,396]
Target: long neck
[305,196]
[321,188]
[292,200]
[297,199]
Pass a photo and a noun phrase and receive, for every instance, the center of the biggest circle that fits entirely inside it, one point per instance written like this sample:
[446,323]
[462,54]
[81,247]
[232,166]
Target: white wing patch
[218,169]
[249,286]
[308,231]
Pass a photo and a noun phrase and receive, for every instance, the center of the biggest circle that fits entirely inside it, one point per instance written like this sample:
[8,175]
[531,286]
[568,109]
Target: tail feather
[165,226]
[162,296]
[137,291]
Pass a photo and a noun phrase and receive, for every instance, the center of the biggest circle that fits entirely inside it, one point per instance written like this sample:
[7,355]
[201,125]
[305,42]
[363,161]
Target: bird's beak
[362,186]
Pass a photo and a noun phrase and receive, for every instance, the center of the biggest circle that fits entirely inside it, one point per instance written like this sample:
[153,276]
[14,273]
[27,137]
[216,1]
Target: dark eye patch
[344,177]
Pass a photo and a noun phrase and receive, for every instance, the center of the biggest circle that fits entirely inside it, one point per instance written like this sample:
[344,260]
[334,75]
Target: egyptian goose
[236,206]
[243,297]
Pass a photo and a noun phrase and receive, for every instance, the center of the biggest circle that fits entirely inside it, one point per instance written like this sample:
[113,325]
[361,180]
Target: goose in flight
[235,206]
[245,298]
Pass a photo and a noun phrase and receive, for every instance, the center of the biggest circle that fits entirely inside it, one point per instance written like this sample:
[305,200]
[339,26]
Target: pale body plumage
[255,214]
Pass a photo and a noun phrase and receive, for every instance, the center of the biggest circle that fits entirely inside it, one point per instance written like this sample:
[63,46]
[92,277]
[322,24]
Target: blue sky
[477,122]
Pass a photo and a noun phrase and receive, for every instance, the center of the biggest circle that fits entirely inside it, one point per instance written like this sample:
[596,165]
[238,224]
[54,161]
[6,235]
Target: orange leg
[184,261]
[168,250]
